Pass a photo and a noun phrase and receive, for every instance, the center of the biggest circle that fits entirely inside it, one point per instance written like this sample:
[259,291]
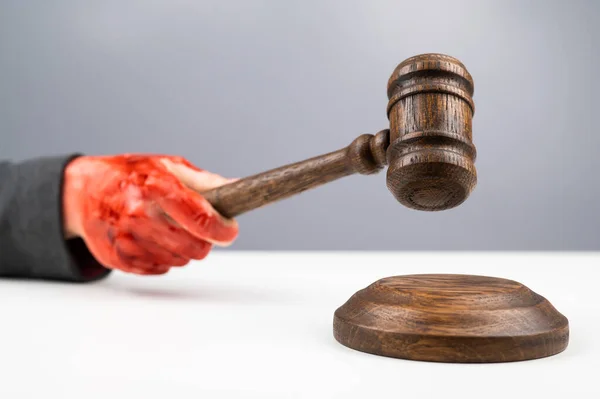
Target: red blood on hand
[143,214]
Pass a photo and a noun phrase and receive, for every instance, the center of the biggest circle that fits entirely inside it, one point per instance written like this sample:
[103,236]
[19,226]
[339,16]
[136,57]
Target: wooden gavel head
[428,146]
[431,154]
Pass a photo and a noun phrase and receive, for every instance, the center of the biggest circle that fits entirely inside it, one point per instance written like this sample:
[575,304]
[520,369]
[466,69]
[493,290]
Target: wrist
[73,187]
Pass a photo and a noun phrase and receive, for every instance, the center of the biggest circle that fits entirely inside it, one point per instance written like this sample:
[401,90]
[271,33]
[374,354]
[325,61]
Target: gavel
[428,147]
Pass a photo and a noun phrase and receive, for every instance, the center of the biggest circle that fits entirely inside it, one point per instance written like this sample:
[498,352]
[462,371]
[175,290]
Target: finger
[102,244]
[135,252]
[192,212]
[111,258]
[194,178]
[100,241]
[147,270]
[175,159]
[138,266]
[159,233]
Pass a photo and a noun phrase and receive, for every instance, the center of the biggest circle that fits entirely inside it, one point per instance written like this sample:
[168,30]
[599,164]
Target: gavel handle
[366,155]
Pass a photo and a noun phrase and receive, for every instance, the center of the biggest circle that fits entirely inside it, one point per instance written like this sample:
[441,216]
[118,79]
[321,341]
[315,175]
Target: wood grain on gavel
[451,318]
[428,146]
[365,155]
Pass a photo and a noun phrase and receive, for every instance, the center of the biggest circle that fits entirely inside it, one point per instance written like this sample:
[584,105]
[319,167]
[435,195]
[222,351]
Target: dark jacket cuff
[36,226]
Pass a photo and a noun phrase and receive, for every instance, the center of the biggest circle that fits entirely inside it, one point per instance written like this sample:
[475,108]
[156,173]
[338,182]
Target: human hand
[143,214]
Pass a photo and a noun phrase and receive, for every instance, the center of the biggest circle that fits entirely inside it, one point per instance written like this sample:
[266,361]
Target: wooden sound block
[451,318]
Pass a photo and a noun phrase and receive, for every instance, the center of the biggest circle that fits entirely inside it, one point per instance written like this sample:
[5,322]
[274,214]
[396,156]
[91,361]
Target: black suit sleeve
[32,244]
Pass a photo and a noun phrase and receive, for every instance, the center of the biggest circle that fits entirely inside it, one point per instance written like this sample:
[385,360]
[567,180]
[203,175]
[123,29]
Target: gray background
[239,87]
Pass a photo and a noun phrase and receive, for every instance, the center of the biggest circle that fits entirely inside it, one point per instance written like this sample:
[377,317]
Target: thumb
[197,180]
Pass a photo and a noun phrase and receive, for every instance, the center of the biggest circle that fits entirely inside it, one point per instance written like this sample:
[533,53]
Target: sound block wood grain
[451,318]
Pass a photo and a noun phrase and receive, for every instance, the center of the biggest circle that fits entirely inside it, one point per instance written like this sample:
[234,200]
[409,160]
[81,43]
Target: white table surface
[259,325]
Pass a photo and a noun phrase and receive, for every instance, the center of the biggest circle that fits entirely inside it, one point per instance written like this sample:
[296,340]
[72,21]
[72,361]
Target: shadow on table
[201,293]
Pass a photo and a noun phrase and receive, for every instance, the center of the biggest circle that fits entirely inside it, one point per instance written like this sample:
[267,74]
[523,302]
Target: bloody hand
[143,214]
